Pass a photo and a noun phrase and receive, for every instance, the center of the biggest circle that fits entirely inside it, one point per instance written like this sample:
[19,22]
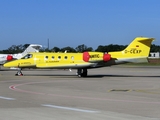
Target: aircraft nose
[6,65]
[9,64]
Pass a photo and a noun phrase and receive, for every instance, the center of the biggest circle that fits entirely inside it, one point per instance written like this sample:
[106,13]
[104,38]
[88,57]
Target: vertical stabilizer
[30,48]
[136,52]
[139,47]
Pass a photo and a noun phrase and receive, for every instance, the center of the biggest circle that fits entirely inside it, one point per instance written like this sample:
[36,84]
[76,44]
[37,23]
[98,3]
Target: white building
[154,55]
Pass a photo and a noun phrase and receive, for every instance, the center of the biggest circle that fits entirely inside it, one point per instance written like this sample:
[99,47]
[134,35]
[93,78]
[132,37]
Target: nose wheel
[19,73]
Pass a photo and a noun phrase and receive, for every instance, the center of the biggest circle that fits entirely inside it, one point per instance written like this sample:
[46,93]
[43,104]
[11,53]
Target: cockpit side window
[27,56]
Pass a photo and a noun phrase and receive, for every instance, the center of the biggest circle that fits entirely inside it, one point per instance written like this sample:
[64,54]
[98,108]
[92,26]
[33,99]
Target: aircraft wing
[67,66]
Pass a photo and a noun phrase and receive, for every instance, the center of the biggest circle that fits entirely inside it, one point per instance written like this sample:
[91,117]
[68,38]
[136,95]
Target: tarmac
[109,93]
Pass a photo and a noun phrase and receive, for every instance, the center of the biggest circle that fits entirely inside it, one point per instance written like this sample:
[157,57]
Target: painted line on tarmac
[14,87]
[7,98]
[69,108]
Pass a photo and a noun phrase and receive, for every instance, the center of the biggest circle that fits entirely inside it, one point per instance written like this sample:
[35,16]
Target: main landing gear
[82,72]
[19,72]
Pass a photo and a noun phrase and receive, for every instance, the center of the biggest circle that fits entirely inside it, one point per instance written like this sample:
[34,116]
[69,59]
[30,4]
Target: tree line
[80,48]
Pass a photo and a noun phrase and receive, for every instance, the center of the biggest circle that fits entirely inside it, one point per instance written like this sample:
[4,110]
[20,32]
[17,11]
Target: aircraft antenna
[48,43]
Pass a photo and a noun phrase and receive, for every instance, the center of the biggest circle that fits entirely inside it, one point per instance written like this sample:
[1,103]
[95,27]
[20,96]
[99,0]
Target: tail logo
[133,51]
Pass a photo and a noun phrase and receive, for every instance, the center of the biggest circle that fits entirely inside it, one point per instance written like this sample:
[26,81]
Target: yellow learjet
[136,52]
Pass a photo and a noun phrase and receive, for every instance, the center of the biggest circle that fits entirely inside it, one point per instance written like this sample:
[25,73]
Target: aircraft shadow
[4,70]
[101,76]
[91,76]
[122,76]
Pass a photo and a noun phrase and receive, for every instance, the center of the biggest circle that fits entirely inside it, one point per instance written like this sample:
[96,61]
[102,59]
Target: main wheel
[85,73]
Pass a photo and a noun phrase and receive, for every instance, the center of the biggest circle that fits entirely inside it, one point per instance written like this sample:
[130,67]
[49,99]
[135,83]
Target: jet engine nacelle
[96,56]
[106,57]
[9,58]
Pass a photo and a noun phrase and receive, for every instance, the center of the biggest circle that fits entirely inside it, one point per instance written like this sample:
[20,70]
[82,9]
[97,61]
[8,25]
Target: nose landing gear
[19,72]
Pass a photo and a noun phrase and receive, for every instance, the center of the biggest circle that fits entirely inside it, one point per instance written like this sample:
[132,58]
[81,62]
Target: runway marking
[147,91]
[14,87]
[69,108]
[6,98]
[120,90]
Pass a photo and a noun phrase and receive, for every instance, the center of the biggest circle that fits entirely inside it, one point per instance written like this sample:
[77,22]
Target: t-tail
[136,52]
[30,48]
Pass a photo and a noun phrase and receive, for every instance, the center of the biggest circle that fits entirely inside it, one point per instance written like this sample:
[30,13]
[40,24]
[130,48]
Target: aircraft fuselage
[61,60]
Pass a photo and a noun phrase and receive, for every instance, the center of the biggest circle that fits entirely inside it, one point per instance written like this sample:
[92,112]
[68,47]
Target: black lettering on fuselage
[133,51]
[94,56]
[28,63]
[52,61]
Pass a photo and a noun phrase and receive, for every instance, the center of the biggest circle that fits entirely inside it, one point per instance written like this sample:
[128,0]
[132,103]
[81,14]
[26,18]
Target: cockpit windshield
[27,56]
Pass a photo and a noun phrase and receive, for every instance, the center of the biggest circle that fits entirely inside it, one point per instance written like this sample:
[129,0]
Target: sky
[76,22]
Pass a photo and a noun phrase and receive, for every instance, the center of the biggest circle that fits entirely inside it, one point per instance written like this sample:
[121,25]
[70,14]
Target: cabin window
[59,57]
[27,56]
[46,57]
[72,57]
[65,57]
[52,57]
